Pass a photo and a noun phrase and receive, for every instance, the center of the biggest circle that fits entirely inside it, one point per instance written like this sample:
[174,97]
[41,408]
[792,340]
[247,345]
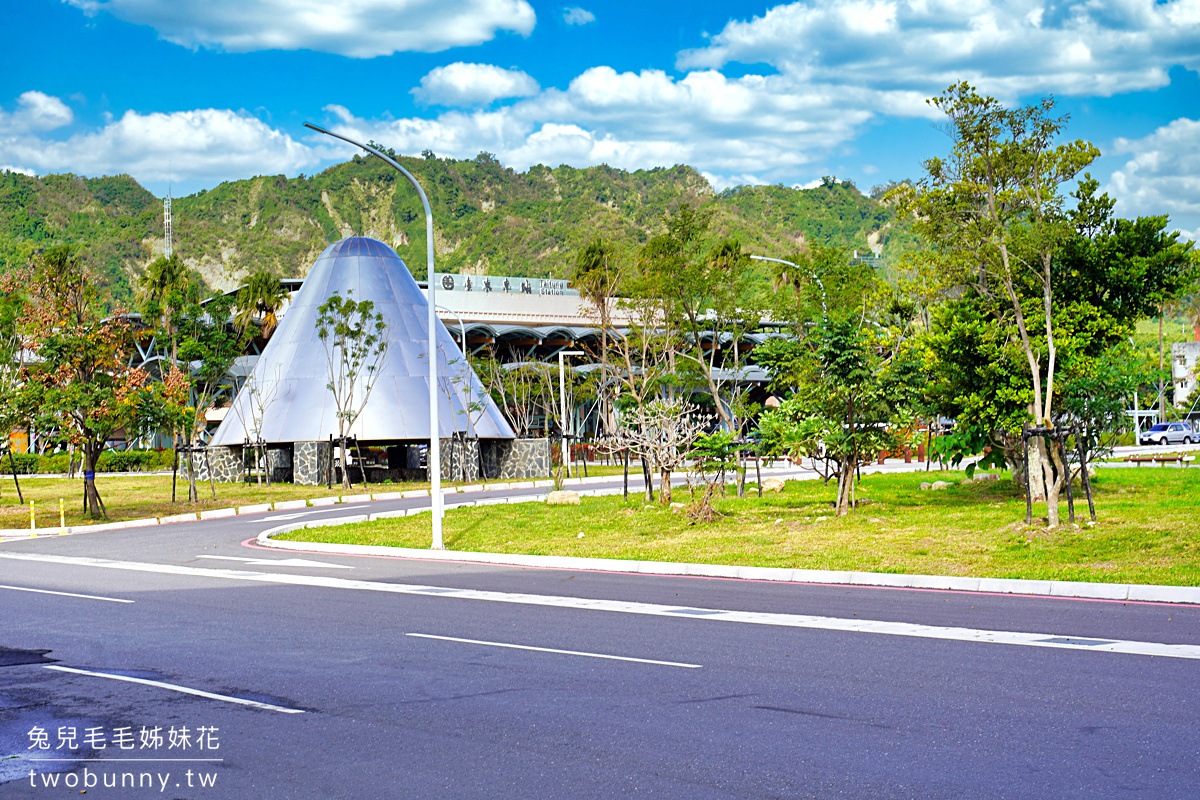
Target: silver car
[1170,433]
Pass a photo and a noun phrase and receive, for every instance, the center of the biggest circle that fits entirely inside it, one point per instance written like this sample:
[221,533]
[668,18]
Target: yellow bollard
[62,516]
[32,518]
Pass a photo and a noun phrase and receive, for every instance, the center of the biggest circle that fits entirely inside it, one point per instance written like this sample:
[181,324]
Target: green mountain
[487,218]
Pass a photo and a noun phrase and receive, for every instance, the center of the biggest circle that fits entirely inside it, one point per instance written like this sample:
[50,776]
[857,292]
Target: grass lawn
[1147,530]
[140,496]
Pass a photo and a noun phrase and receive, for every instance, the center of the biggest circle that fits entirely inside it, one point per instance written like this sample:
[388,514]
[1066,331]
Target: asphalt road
[631,686]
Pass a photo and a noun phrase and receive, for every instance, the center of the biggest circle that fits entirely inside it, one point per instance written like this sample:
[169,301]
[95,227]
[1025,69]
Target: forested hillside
[487,218]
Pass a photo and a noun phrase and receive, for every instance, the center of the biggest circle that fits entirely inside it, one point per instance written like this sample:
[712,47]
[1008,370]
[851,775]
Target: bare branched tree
[355,338]
[663,432]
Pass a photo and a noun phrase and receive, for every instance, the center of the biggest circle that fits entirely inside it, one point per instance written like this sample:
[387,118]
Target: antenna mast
[167,249]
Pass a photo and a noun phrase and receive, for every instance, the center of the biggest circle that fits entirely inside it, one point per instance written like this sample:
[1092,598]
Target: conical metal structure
[286,398]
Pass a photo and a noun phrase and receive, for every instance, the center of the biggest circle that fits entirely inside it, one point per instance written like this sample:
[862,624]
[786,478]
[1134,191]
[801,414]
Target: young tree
[707,297]
[1110,273]
[261,395]
[645,356]
[995,205]
[208,346]
[663,432]
[598,276]
[355,339]
[82,377]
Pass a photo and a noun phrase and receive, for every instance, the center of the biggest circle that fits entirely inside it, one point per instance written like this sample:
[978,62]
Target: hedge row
[110,461]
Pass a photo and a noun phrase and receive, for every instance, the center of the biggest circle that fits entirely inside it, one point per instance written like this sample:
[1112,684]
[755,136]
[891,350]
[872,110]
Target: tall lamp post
[434,459]
[562,399]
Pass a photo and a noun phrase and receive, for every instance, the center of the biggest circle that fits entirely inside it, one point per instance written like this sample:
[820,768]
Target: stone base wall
[517,459]
[310,463]
[226,463]
[460,460]
[307,463]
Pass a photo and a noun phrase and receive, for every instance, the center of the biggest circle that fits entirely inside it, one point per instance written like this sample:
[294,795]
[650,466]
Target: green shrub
[56,463]
[24,463]
[127,461]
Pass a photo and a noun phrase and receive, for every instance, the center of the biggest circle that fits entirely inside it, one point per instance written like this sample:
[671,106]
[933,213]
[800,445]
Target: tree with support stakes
[993,206]
[82,377]
[208,346]
[261,395]
[355,339]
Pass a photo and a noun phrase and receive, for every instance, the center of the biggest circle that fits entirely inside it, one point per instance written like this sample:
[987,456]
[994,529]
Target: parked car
[1170,433]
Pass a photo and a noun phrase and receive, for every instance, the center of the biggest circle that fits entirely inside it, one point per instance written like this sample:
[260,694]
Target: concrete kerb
[1064,589]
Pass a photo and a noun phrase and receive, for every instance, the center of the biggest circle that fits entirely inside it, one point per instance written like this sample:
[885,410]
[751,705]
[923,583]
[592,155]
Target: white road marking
[552,650]
[335,509]
[278,562]
[176,688]
[66,594]
[1048,640]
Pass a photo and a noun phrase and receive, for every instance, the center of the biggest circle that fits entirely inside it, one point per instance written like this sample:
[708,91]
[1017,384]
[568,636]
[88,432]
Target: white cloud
[205,144]
[757,128]
[36,112]
[1007,48]
[574,15]
[1162,175]
[460,84]
[18,170]
[356,28]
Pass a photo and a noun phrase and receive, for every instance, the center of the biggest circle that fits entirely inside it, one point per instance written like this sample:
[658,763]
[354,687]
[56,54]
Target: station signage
[449,282]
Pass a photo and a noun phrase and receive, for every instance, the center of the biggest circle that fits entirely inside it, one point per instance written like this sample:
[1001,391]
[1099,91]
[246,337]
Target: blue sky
[747,92]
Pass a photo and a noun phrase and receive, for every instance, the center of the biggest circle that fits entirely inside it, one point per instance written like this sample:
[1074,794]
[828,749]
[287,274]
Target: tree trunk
[845,480]
[741,479]
[664,488]
[1037,469]
[649,480]
[92,504]
[345,466]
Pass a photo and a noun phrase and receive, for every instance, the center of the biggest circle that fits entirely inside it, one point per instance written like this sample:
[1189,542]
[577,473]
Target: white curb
[1064,589]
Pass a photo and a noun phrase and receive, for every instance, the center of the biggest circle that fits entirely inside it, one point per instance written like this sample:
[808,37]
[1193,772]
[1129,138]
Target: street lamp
[434,459]
[812,275]
[562,399]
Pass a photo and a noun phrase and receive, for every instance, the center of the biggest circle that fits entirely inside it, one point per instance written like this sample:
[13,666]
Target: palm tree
[161,290]
[261,297]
